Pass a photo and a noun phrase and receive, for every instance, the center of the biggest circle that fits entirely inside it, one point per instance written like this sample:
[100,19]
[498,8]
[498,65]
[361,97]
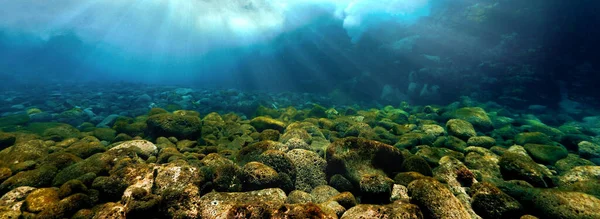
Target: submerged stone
[174,125]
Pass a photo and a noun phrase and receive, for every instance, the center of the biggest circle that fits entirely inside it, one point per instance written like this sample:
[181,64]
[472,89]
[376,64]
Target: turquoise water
[299,109]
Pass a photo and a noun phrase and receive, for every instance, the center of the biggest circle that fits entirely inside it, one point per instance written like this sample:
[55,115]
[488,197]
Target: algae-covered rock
[365,163]
[416,164]
[259,203]
[589,150]
[105,134]
[299,197]
[262,123]
[279,161]
[6,140]
[474,115]
[521,167]
[12,120]
[460,128]
[435,200]
[532,138]
[490,202]
[253,151]
[23,151]
[546,154]
[41,199]
[323,193]
[310,169]
[580,174]
[179,126]
[395,210]
[39,177]
[481,141]
[146,147]
[551,203]
[433,155]
[256,176]
[61,132]
[572,160]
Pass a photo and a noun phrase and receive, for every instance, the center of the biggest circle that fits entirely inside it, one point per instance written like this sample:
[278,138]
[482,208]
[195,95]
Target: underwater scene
[416,109]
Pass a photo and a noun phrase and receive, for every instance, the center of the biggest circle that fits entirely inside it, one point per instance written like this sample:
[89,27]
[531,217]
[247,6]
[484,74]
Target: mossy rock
[571,161]
[105,134]
[521,167]
[156,110]
[481,141]
[130,126]
[552,203]
[490,202]
[23,151]
[546,154]
[262,123]
[416,164]
[317,111]
[61,132]
[13,120]
[532,138]
[270,112]
[172,125]
[41,199]
[474,115]
[589,150]
[394,210]
[435,199]
[6,140]
[455,144]
[256,176]
[460,128]
[40,177]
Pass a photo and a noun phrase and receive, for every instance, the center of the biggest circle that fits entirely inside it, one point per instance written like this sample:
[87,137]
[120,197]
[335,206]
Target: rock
[279,161]
[367,164]
[589,150]
[252,152]
[23,151]
[84,148]
[105,134]
[41,199]
[455,143]
[310,169]
[546,154]
[395,210]
[433,130]
[108,121]
[551,203]
[490,202]
[172,125]
[460,128]
[483,163]
[5,173]
[340,183]
[435,200]
[256,203]
[262,123]
[572,160]
[323,193]
[12,120]
[299,197]
[416,164]
[532,138]
[61,132]
[269,134]
[256,176]
[481,141]
[110,210]
[40,177]
[521,167]
[147,147]
[406,178]
[474,115]
[433,154]
[580,174]
[6,140]
[399,192]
